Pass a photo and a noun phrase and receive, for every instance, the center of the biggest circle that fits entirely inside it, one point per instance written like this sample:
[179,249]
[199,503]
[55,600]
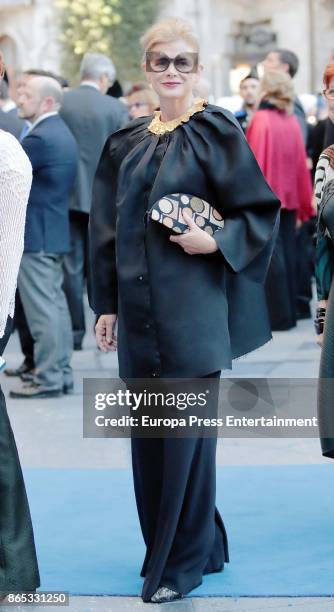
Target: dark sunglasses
[183,62]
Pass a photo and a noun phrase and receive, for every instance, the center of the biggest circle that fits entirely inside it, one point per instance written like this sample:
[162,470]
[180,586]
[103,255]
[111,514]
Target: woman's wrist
[214,245]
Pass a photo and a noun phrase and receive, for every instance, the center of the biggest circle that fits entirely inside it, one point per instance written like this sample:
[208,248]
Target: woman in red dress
[275,137]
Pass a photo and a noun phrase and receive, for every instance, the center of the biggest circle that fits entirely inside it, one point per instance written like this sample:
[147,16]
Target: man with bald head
[53,153]
[40,95]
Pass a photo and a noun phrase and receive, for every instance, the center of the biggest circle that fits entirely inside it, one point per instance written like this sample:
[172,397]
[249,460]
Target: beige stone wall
[28,35]
[291,22]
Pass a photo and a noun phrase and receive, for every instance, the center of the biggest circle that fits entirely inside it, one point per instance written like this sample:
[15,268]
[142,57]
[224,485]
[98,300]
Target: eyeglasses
[328,93]
[183,62]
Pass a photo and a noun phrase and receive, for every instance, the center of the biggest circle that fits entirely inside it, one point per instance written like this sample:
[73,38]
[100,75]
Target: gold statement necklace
[159,127]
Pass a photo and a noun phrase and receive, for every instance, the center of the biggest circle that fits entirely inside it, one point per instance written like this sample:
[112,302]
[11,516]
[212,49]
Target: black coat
[181,315]
[91,117]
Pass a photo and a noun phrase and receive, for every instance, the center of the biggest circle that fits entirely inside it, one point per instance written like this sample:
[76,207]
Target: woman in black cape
[185,304]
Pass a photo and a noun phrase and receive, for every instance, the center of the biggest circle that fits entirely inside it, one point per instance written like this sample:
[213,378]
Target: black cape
[181,315]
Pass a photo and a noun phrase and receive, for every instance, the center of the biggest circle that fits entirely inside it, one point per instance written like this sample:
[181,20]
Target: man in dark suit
[249,87]
[53,153]
[21,129]
[92,117]
[9,120]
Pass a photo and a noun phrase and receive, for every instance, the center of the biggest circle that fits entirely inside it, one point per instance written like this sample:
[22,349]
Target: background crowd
[63,131]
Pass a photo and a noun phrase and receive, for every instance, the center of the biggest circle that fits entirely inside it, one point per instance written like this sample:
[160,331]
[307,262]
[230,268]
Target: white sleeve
[15,184]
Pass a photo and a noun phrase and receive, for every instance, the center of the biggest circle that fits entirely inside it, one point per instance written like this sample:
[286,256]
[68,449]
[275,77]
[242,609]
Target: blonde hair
[168,30]
[277,88]
[144,95]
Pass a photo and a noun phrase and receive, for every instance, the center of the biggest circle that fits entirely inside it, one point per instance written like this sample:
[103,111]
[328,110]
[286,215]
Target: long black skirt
[326,382]
[175,488]
[18,563]
[281,285]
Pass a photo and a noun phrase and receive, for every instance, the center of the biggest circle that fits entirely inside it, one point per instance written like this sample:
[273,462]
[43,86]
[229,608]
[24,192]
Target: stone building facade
[29,34]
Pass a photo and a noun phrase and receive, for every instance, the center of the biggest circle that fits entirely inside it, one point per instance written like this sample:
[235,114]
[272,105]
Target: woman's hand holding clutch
[106,337]
[196,241]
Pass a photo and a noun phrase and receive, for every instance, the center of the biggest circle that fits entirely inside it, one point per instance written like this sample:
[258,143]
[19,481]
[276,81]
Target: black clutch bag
[168,211]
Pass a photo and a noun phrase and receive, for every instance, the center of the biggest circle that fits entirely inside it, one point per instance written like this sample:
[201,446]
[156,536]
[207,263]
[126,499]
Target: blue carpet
[279,520]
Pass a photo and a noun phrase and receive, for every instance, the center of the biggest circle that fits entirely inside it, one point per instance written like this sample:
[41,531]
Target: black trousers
[18,562]
[281,283]
[175,488]
[75,271]
[25,337]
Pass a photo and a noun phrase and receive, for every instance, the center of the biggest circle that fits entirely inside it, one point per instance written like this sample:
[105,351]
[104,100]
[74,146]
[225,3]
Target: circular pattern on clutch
[197,205]
[155,215]
[165,206]
[170,208]
[168,222]
[217,215]
[200,221]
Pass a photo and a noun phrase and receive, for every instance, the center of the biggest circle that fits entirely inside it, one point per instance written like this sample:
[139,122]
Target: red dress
[277,143]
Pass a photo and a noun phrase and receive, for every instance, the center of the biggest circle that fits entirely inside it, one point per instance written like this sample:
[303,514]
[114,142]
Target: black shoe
[32,391]
[164,594]
[22,369]
[28,376]
[77,345]
[68,389]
